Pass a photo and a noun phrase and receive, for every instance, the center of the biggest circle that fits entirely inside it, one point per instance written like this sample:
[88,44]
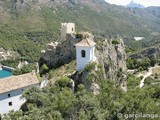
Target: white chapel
[85,53]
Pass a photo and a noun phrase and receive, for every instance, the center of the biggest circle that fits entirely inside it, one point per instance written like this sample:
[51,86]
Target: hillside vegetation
[27,25]
[58,102]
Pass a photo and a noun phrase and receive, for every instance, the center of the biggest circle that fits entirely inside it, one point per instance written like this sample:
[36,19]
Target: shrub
[140,69]
[63,81]
[89,67]
[81,87]
[116,41]
[44,69]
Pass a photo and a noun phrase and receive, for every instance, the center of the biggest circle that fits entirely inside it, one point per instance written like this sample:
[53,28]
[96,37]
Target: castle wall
[67,28]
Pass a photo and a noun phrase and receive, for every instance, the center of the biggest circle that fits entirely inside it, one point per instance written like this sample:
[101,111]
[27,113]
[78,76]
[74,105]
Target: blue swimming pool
[5,73]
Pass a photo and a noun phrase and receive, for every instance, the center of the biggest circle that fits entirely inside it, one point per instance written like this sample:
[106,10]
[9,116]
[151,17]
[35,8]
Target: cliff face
[112,58]
[60,54]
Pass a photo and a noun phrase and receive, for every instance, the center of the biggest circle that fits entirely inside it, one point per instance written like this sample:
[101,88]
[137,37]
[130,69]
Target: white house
[11,89]
[67,28]
[138,38]
[85,53]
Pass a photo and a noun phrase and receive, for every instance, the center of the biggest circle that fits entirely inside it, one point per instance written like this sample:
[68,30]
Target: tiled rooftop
[86,43]
[17,82]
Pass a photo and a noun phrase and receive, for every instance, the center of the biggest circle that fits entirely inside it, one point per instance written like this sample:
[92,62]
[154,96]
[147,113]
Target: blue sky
[146,3]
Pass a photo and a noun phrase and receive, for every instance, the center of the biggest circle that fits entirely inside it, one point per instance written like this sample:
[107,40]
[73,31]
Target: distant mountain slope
[93,15]
[132,4]
[37,22]
[152,50]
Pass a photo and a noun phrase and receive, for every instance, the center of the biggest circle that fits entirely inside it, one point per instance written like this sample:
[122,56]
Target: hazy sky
[146,3]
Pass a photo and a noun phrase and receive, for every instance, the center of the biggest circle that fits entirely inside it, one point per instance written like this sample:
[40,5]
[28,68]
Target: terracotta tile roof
[86,43]
[16,82]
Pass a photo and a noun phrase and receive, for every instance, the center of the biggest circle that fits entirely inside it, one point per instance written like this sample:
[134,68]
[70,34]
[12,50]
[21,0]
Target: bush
[116,41]
[89,67]
[81,87]
[44,69]
[140,69]
[25,69]
[63,81]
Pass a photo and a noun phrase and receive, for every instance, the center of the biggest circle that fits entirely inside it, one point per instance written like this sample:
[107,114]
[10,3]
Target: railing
[8,68]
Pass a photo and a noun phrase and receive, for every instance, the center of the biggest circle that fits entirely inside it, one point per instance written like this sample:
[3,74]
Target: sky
[145,3]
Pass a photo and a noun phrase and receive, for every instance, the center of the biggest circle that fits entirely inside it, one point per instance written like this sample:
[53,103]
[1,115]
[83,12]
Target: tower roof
[86,43]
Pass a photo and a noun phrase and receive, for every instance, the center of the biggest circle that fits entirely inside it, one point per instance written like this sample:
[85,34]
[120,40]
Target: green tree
[63,81]
[153,60]
[44,69]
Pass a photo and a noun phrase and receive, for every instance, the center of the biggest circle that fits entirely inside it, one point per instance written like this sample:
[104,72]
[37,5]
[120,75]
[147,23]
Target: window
[72,29]
[22,89]
[83,53]
[10,103]
[9,95]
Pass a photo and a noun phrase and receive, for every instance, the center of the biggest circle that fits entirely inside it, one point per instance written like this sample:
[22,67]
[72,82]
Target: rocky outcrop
[112,58]
[4,54]
[62,53]
[110,63]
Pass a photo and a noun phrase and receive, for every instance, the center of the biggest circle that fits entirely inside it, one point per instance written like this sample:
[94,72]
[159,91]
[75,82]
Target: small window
[9,95]
[10,103]
[72,29]
[83,53]
[22,89]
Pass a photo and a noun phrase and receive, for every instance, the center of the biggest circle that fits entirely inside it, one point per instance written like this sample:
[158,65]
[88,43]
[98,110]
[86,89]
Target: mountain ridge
[133,4]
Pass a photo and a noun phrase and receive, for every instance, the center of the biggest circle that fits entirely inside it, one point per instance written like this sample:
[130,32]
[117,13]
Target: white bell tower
[85,53]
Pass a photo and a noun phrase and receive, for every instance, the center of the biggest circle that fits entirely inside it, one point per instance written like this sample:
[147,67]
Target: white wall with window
[84,55]
[12,100]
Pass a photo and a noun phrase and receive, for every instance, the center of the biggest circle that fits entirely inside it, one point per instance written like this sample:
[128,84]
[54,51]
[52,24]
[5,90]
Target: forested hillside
[58,102]
[30,24]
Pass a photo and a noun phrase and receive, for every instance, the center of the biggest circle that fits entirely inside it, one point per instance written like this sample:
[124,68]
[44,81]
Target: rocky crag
[110,65]
[58,54]
[110,62]
[7,54]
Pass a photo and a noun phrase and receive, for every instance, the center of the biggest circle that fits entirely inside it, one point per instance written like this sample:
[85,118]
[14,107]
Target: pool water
[5,73]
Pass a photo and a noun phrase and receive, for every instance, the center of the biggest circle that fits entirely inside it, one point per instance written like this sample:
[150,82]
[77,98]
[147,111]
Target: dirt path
[149,73]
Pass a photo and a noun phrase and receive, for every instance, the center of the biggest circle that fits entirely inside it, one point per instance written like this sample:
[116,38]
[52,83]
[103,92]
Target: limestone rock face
[4,54]
[110,64]
[62,54]
[112,58]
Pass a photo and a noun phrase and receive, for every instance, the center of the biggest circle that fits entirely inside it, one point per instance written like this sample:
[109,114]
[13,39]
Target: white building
[138,38]
[85,53]
[67,28]
[11,89]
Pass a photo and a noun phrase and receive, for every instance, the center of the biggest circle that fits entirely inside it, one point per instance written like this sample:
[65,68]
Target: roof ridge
[88,41]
